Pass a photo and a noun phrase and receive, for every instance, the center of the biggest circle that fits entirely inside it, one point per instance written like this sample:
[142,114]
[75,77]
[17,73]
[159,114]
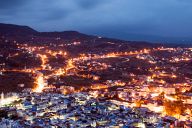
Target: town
[141,87]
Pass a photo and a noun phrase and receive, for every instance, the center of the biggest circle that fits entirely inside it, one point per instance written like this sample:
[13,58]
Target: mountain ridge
[22,30]
[12,29]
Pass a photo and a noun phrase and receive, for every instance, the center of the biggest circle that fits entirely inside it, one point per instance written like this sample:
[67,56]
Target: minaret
[2,96]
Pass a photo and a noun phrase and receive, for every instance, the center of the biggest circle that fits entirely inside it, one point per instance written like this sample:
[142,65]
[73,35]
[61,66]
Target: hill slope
[10,29]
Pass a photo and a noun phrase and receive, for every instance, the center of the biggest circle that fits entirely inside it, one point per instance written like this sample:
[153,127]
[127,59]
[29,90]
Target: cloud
[89,4]
[103,17]
[8,4]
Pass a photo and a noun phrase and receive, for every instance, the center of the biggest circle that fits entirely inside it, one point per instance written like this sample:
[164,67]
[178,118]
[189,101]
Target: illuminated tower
[2,96]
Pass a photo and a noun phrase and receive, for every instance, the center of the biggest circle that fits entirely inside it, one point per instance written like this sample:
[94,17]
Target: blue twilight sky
[111,18]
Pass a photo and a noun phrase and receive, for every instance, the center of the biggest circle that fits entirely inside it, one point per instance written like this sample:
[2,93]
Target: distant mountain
[65,35]
[10,29]
[25,33]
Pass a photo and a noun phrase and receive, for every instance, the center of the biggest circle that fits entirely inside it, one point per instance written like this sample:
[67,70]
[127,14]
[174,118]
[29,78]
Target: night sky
[111,18]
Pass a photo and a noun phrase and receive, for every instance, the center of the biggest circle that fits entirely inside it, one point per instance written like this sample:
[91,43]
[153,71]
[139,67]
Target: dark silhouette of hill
[12,30]
[65,35]
[25,34]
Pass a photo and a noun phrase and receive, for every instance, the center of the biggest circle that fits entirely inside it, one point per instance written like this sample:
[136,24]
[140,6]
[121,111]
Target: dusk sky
[111,18]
